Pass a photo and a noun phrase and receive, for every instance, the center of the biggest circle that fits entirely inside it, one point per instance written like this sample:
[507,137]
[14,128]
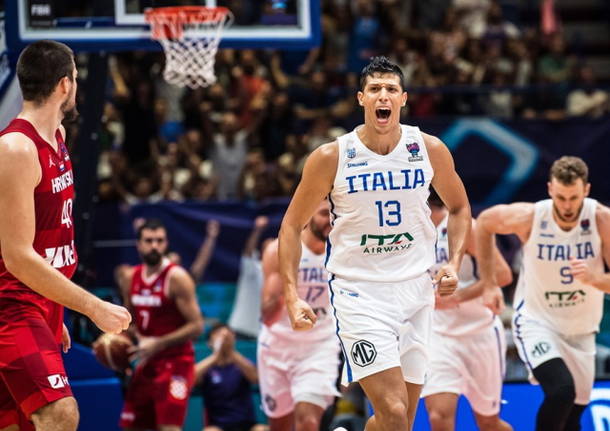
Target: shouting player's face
[68,106]
[568,199]
[320,222]
[152,246]
[382,99]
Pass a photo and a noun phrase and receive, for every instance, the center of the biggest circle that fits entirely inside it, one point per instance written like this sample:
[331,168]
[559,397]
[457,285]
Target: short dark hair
[41,66]
[152,224]
[381,65]
[216,327]
[568,169]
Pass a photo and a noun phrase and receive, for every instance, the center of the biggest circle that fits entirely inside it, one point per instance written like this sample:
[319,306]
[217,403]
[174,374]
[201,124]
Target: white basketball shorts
[292,371]
[472,365]
[383,325]
[537,343]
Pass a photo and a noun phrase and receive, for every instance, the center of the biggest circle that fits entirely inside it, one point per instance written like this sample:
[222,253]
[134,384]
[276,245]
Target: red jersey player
[161,296]
[37,255]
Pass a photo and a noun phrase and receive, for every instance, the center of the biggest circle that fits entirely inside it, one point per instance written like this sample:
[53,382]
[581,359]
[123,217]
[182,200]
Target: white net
[190,37]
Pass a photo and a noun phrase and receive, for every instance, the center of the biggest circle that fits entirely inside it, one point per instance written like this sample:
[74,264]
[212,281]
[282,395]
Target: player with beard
[298,370]
[161,296]
[560,293]
[37,248]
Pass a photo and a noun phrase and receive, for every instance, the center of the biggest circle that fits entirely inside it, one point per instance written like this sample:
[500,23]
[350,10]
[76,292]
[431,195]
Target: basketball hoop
[190,36]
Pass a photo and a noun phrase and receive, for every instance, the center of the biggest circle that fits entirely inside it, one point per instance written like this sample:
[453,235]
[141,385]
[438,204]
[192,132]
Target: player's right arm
[20,173]
[508,219]
[316,183]
[272,299]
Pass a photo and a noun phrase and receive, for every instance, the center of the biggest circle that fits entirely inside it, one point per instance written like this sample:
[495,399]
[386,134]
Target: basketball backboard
[112,25]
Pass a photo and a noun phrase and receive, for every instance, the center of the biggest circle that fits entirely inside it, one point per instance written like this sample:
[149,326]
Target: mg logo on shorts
[363,353]
[540,349]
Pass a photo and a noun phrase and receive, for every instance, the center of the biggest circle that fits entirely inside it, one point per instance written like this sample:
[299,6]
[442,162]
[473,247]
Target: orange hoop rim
[187,14]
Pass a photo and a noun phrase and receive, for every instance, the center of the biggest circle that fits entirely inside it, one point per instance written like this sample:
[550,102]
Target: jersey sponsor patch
[57,381]
[270,402]
[363,353]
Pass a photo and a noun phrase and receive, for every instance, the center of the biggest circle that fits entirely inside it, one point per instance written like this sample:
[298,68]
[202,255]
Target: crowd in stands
[246,136]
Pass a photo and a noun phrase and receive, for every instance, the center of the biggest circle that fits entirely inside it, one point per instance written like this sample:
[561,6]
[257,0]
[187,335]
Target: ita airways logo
[414,150]
[363,353]
[585,225]
[382,244]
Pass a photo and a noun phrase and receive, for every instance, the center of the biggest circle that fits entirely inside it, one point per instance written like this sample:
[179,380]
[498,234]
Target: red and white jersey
[54,237]
[155,312]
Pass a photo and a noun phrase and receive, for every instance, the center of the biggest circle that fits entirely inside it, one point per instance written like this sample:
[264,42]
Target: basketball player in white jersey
[467,347]
[298,370]
[381,244]
[559,297]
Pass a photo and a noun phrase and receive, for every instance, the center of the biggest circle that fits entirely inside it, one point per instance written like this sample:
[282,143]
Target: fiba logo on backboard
[363,353]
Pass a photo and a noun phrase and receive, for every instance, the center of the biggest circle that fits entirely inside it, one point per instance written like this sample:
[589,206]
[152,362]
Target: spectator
[588,99]
[226,378]
[245,317]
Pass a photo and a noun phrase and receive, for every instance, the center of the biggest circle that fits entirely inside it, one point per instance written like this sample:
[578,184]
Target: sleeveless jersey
[546,290]
[468,317]
[54,237]
[381,227]
[155,313]
[312,286]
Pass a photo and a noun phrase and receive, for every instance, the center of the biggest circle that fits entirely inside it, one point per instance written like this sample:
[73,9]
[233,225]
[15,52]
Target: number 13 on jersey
[388,213]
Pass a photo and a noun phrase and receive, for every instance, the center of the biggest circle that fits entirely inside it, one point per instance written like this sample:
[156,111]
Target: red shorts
[32,372]
[158,394]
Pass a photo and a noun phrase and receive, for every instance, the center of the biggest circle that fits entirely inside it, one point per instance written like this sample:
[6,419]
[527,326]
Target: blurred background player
[467,349]
[226,378]
[560,292]
[381,245]
[161,296]
[298,370]
[37,243]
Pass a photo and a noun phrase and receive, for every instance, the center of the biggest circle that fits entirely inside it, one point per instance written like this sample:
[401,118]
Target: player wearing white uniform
[381,244]
[467,347]
[298,370]
[559,297]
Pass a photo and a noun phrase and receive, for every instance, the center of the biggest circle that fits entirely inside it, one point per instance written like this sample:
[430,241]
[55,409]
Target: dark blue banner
[499,162]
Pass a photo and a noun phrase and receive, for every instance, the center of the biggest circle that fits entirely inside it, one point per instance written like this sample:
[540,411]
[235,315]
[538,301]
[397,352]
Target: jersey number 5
[566,275]
[389,213]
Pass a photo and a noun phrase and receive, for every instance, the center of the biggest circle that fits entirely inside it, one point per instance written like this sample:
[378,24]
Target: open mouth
[383,113]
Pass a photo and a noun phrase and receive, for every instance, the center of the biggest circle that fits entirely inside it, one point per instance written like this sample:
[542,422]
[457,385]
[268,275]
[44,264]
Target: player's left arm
[580,269]
[450,189]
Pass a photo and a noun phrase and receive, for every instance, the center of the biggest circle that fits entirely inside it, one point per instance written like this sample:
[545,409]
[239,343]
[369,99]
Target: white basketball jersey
[471,316]
[312,287]
[382,230]
[546,290]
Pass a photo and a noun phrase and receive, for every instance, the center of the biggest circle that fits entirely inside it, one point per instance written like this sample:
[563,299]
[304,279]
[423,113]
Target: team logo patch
[444,232]
[178,388]
[585,225]
[57,381]
[544,224]
[351,153]
[540,349]
[363,353]
[414,150]
[271,404]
